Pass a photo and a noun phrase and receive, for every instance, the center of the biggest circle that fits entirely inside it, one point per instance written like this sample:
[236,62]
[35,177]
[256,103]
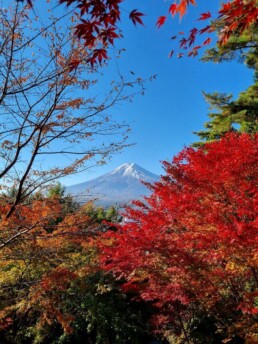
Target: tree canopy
[230,114]
[191,248]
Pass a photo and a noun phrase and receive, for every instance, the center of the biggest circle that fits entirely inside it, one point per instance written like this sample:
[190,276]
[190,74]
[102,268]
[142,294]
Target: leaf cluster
[191,248]
[52,289]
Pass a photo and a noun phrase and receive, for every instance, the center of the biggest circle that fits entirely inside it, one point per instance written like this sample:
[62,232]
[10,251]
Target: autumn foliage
[186,265]
[99,24]
[51,286]
[191,248]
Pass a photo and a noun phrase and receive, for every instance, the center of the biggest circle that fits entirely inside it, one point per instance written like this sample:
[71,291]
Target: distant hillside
[120,186]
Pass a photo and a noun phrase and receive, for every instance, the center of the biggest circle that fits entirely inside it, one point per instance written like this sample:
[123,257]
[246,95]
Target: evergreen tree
[228,114]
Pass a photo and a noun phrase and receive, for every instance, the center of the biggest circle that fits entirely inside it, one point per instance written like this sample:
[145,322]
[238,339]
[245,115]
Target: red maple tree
[192,246]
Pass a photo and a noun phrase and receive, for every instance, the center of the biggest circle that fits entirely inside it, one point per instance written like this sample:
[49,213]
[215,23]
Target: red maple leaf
[161,20]
[205,16]
[173,9]
[207,41]
[135,16]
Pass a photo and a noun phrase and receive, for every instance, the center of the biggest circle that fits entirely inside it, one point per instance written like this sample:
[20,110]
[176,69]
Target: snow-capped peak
[119,186]
[132,170]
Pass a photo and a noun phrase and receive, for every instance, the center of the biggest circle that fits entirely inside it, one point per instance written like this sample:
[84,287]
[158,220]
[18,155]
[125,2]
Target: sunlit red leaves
[172,9]
[196,238]
[181,7]
[187,42]
[161,20]
[28,220]
[205,16]
[98,27]
[238,16]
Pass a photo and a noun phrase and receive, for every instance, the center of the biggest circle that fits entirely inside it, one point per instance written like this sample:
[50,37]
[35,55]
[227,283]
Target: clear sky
[162,121]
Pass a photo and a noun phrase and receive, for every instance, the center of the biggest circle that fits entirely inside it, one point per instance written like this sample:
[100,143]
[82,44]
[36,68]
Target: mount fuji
[118,187]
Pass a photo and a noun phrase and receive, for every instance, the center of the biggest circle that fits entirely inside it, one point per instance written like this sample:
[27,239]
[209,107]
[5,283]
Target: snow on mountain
[120,186]
[135,171]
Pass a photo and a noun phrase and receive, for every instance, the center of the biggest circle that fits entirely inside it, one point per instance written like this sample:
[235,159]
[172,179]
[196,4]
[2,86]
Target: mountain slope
[120,186]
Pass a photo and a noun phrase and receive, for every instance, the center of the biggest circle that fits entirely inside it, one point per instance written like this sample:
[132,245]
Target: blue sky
[162,121]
